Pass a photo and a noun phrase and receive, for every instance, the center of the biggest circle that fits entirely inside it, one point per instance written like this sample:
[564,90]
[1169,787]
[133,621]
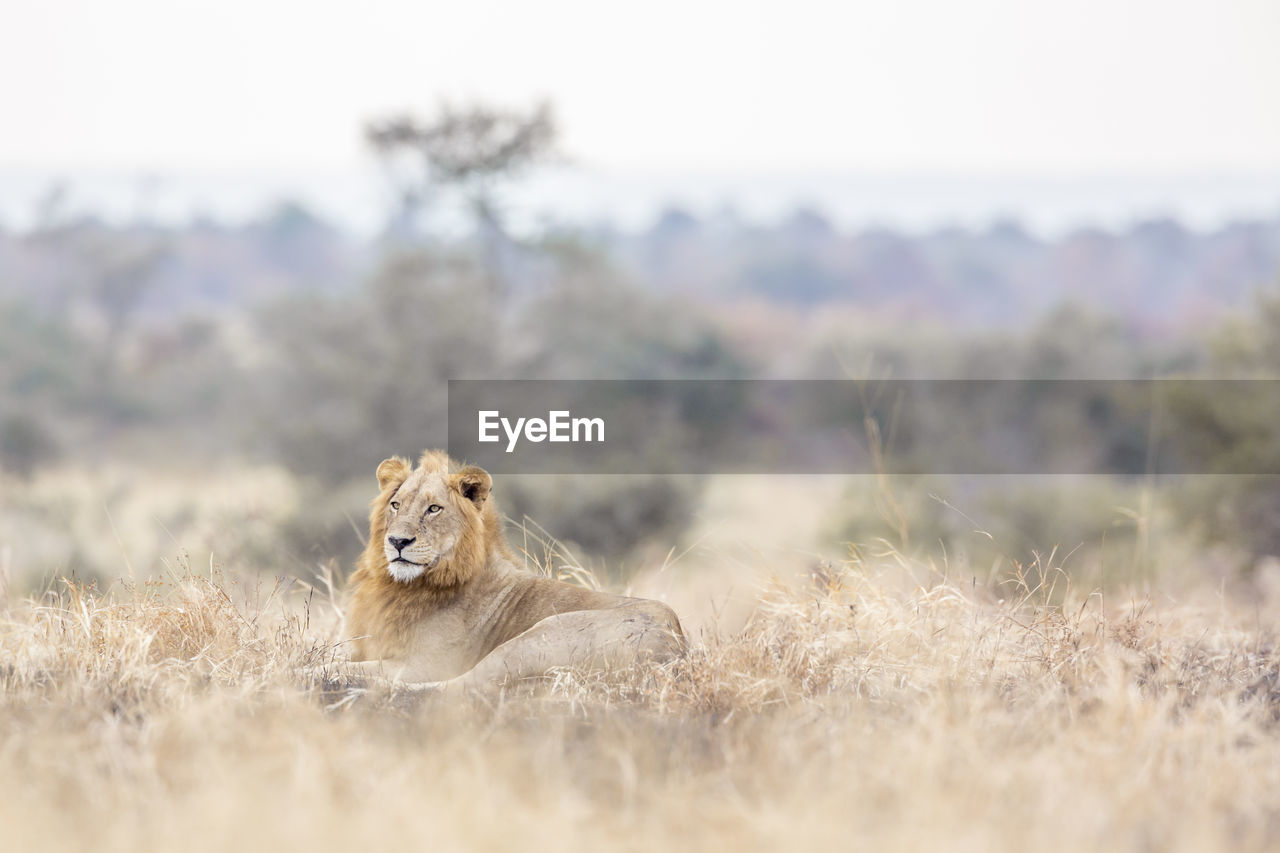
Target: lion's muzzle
[399,543]
[407,567]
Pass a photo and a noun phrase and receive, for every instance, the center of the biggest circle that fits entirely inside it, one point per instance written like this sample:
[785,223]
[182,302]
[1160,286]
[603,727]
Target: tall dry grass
[868,704]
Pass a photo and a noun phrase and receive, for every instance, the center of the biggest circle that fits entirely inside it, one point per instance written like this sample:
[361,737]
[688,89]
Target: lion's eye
[434,508]
[395,506]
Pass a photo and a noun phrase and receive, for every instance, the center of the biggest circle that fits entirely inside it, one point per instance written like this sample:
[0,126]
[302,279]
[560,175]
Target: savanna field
[937,345]
[871,700]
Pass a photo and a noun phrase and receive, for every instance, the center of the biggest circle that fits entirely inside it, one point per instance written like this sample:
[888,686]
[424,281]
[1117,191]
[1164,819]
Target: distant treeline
[1157,277]
[287,342]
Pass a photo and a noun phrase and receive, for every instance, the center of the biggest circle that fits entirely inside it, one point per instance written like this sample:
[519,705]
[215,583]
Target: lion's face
[427,515]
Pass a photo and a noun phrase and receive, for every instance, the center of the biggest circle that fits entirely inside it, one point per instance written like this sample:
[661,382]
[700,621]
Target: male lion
[437,597]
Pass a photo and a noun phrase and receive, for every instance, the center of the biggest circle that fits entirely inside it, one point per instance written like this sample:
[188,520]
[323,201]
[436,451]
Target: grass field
[870,704]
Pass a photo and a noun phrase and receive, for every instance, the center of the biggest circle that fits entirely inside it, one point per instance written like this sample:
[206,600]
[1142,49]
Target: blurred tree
[675,223]
[373,367]
[807,227]
[471,148]
[105,275]
[1233,431]
[591,323]
[43,361]
[1248,345]
[125,273]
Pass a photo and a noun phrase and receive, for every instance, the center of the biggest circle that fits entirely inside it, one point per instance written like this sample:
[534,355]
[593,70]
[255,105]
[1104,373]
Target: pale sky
[810,85]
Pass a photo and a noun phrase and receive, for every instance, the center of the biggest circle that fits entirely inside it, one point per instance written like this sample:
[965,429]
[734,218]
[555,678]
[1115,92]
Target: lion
[437,598]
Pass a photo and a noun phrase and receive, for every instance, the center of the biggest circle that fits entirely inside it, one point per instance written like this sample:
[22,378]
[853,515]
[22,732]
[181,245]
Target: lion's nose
[400,544]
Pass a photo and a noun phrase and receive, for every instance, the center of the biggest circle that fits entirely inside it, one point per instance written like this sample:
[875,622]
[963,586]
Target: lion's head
[433,525]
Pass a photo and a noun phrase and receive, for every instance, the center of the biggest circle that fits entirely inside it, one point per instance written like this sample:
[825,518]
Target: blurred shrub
[604,516]
[45,361]
[1069,341]
[26,443]
[1231,433]
[1096,528]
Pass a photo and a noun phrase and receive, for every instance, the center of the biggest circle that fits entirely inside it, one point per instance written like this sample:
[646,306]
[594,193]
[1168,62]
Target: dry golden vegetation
[868,704]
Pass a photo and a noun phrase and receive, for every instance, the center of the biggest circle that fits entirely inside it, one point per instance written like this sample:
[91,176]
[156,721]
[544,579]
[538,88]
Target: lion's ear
[473,483]
[393,470]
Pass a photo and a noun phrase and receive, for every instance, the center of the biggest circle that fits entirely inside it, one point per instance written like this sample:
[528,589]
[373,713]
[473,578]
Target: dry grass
[857,706]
